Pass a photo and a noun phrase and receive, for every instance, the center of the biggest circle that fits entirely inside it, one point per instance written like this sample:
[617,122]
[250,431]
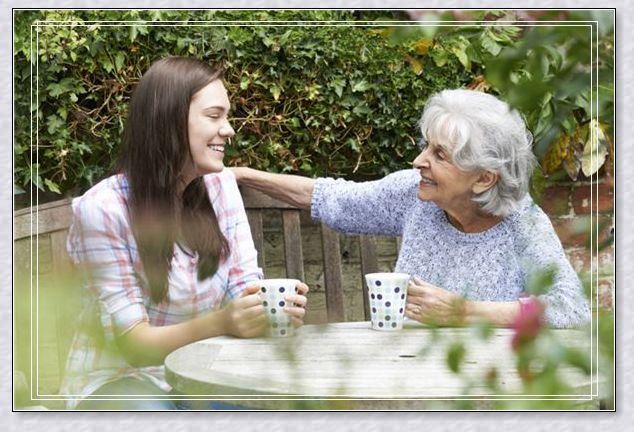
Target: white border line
[321,24]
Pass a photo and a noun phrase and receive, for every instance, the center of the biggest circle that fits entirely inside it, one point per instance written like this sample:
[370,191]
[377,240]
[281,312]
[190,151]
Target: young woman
[165,244]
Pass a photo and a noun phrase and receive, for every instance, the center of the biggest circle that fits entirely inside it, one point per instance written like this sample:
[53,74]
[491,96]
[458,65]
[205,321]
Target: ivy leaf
[595,149]
[459,49]
[52,186]
[53,123]
[119,60]
[417,66]
[360,86]
[244,83]
[489,44]
[338,85]
[422,46]
[440,57]
[275,91]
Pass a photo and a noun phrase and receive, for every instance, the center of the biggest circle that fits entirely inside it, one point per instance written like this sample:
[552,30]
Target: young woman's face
[209,128]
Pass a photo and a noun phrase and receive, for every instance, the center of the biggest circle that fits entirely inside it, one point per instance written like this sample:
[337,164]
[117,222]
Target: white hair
[486,134]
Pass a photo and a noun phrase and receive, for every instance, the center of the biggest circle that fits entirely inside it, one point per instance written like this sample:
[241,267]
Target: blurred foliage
[559,75]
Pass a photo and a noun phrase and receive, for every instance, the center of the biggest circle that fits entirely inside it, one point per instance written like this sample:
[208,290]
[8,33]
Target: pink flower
[528,323]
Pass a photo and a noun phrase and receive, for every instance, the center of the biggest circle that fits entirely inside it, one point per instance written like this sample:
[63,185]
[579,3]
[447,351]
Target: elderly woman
[471,235]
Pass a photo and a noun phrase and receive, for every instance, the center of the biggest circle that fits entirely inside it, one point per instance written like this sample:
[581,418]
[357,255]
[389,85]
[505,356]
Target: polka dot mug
[272,293]
[387,293]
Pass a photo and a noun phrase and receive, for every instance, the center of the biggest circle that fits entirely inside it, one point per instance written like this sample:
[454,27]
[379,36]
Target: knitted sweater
[494,265]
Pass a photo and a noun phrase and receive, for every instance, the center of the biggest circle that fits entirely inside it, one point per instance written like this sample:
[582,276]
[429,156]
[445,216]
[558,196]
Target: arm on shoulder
[292,189]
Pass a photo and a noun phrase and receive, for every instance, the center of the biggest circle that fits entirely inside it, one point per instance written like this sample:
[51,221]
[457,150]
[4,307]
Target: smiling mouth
[217,148]
[426,181]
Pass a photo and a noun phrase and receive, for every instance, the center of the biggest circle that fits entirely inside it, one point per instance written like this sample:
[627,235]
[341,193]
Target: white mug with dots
[387,293]
[273,293]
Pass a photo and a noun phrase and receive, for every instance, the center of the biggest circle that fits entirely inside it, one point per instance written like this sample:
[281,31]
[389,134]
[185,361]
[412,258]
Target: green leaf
[54,123]
[540,281]
[461,54]
[119,60]
[490,45]
[275,91]
[52,186]
[455,356]
[361,86]
[338,85]
[244,82]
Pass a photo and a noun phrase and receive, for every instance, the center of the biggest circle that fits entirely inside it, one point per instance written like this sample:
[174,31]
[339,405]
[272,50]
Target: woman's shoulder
[407,178]
[110,195]
[528,212]
[221,183]
[529,223]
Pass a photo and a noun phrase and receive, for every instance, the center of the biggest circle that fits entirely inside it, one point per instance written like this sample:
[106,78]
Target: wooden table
[350,366]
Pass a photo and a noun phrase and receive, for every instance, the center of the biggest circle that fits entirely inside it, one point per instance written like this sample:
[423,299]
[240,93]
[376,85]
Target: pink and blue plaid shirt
[113,298]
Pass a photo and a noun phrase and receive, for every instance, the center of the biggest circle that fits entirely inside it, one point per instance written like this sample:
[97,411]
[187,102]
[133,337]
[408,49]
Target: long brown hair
[154,152]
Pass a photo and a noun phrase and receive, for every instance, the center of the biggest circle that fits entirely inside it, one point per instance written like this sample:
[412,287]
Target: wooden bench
[40,243]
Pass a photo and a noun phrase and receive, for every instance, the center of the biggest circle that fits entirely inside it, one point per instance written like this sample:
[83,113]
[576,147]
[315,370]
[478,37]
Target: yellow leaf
[556,154]
[417,66]
[595,149]
[422,46]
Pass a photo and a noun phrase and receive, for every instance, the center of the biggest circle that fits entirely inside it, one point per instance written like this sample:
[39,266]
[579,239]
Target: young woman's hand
[297,304]
[245,316]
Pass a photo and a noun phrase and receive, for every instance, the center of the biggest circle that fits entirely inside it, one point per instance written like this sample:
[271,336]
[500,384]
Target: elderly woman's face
[442,182]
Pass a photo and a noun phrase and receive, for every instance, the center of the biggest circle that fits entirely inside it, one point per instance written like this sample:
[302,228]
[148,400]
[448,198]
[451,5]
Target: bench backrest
[42,231]
[53,219]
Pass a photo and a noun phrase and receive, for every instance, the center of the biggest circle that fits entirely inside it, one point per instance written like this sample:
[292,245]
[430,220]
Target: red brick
[602,200]
[580,260]
[575,232]
[606,293]
[556,200]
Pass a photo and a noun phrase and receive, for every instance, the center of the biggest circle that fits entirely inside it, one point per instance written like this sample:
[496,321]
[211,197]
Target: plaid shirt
[114,301]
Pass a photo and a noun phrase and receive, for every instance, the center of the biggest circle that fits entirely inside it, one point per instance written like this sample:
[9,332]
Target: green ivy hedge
[340,98]
[311,99]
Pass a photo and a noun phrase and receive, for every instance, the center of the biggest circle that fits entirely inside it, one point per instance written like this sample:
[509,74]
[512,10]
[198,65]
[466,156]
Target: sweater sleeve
[374,207]
[540,250]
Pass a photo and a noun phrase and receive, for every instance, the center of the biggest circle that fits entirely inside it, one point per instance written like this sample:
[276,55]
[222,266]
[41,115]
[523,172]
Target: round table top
[350,361]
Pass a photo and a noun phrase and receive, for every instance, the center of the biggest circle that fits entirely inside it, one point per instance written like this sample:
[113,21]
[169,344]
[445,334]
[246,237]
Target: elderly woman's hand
[432,305]
[298,301]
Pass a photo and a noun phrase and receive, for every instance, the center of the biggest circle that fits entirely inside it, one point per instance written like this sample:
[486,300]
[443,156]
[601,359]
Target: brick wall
[575,207]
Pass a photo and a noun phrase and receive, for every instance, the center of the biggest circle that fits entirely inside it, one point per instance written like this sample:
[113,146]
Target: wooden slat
[369,264]
[332,274]
[257,232]
[61,260]
[293,244]
[254,199]
[46,218]
[399,240]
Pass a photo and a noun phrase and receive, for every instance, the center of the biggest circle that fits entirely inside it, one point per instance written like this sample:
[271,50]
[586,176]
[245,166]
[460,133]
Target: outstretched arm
[292,189]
